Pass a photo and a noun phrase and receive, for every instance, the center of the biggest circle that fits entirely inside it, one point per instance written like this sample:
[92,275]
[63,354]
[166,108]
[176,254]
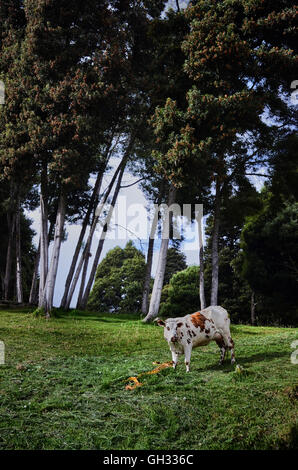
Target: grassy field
[63,387]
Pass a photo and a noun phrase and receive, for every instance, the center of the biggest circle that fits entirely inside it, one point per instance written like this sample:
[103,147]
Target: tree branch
[131,184]
[256,174]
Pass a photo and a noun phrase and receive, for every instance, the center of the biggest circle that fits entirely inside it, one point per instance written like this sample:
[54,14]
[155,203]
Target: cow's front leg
[174,358]
[187,353]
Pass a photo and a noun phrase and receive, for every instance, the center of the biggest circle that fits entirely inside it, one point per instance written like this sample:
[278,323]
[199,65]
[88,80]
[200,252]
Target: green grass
[63,387]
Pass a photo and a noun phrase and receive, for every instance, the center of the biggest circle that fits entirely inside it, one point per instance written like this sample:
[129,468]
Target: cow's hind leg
[230,345]
[187,353]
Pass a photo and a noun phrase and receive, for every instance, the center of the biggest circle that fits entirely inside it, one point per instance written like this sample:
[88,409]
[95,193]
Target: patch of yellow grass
[157,369]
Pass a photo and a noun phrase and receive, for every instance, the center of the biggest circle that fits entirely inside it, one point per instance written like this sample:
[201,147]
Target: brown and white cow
[198,329]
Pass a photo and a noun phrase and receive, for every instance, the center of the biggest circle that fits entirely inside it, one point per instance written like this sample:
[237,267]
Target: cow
[198,329]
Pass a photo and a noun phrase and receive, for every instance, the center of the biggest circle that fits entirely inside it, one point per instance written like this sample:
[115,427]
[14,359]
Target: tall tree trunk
[91,233]
[201,260]
[87,256]
[33,296]
[19,285]
[86,253]
[43,233]
[52,273]
[162,259]
[11,219]
[146,289]
[86,220]
[84,274]
[33,290]
[215,237]
[252,309]
[85,297]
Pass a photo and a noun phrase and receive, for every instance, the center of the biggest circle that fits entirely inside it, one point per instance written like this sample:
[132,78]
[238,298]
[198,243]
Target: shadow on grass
[227,367]
[263,357]
[94,316]
[242,332]
[290,441]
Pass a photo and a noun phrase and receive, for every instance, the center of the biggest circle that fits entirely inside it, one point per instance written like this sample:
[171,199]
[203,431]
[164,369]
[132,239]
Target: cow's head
[171,329]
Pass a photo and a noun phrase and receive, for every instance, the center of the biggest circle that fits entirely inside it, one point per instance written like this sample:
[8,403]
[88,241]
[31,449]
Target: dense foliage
[176,261]
[181,295]
[119,281]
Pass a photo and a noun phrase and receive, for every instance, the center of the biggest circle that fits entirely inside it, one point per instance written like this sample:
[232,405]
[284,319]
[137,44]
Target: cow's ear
[160,322]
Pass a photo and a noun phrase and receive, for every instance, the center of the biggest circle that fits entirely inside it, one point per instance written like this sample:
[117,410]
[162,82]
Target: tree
[270,256]
[130,108]
[167,70]
[26,253]
[238,201]
[241,58]
[119,281]
[181,295]
[162,258]
[66,63]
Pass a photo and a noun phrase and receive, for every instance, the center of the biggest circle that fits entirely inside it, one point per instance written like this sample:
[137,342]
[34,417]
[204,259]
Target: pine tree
[241,57]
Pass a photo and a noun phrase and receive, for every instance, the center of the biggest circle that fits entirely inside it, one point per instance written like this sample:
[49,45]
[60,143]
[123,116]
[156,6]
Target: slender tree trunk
[2,283]
[201,260]
[215,237]
[33,297]
[252,309]
[19,285]
[90,236]
[160,272]
[52,273]
[102,239]
[33,290]
[85,256]
[146,290]
[71,271]
[84,275]
[80,264]
[11,219]
[43,233]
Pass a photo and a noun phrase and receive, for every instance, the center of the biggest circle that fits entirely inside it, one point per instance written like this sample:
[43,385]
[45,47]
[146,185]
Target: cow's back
[219,315]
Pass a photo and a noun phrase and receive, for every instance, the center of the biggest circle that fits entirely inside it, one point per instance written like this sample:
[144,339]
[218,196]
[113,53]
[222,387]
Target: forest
[197,103]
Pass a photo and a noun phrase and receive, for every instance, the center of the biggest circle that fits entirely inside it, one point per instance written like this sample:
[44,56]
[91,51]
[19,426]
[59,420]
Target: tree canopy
[119,281]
